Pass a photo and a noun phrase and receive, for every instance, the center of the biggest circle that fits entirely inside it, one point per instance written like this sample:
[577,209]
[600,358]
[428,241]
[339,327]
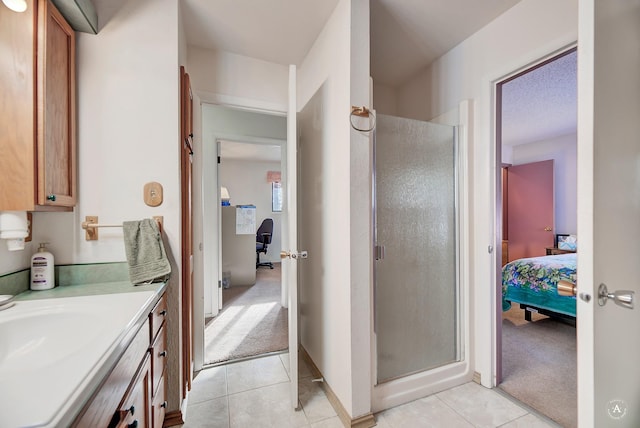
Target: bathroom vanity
[86,356]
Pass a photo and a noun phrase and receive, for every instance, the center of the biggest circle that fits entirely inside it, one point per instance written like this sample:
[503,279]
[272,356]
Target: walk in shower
[416,297]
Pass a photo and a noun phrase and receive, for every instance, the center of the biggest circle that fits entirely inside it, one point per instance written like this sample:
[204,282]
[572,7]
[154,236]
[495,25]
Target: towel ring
[362,112]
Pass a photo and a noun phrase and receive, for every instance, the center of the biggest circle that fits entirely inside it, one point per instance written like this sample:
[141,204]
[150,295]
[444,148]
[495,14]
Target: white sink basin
[39,337]
[52,349]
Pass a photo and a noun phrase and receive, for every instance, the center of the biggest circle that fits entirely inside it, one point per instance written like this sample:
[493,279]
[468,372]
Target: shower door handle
[379,250]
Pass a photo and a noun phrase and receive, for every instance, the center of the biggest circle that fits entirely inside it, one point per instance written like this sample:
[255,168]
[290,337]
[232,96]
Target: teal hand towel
[145,252]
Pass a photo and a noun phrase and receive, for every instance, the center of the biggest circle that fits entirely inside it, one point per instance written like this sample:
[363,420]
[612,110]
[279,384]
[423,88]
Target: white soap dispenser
[42,269]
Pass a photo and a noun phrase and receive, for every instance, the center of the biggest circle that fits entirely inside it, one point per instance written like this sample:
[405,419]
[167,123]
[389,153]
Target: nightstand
[552,251]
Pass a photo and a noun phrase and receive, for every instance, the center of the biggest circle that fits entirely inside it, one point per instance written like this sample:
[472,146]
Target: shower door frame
[410,387]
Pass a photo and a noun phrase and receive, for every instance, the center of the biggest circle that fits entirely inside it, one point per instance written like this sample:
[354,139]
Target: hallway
[255,393]
[252,320]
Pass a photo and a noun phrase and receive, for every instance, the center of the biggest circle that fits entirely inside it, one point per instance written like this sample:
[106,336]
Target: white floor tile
[303,369]
[208,414]
[527,421]
[481,406]
[255,393]
[426,412]
[255,373]
[208,384]
[314,402]
[265,407]
[381,422]
[333,422]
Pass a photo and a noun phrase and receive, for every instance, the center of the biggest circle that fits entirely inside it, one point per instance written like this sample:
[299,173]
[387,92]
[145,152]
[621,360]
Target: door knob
[548,229]
[293,255]
[622,298]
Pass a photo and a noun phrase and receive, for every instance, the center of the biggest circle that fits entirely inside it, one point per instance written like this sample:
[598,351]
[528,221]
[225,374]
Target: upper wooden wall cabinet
[37,110]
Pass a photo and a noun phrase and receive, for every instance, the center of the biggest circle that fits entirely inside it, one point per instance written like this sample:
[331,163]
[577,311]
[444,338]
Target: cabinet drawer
[158,358]
[159,407]
[158,316]
[134,410]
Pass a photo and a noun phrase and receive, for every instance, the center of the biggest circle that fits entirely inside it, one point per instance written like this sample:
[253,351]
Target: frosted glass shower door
[416,297]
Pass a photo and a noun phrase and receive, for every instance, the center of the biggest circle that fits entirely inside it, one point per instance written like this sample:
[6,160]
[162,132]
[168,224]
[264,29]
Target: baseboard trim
[173,418]
[364,421]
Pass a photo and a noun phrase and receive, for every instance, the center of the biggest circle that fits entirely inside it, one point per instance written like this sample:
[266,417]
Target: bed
[532,283]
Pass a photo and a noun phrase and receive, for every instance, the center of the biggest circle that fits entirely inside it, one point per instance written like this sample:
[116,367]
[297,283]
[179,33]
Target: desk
[238,251]
[552,251]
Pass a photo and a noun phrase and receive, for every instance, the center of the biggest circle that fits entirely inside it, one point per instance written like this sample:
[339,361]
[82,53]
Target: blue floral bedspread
[533,281]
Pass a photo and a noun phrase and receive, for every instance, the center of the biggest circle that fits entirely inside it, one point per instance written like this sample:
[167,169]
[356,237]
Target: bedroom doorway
[252,320]
[536,123]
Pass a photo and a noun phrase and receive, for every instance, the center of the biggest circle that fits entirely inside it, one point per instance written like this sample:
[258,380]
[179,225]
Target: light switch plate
[153,194]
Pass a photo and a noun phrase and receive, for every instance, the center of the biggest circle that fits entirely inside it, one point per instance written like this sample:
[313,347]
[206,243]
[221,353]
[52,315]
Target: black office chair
[263,239]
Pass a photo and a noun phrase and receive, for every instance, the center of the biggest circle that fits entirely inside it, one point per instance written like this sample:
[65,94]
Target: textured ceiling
[542,103]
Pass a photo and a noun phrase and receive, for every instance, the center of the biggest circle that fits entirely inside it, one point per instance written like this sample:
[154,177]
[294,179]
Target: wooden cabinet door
[17,108]
[135,409]
[56,124]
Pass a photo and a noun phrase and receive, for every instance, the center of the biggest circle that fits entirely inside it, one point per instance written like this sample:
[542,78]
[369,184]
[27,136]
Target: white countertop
[55,352]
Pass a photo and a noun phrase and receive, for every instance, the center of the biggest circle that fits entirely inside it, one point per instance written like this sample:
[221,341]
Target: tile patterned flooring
[255,393]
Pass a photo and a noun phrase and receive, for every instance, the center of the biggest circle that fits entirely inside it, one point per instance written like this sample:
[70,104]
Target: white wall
[247,184]
[563,150]
[230,124]
[531,30]
[13,261]
[128,129]
[231,79]
[128,135]
[385,99]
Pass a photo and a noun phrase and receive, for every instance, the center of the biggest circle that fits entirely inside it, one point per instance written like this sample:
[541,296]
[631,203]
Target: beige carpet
[252,321]
[539,364]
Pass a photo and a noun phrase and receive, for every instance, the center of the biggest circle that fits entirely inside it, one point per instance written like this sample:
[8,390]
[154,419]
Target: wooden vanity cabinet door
[134,411]
[159,407]
[56,104]
[100,409]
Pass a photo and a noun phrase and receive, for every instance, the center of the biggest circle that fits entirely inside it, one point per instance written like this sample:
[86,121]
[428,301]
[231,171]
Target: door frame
[186,231]
[497,164]
[242,139]
[239,103]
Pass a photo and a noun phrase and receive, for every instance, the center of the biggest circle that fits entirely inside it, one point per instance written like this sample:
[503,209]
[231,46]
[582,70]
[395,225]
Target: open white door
[290,235]
[608,214]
